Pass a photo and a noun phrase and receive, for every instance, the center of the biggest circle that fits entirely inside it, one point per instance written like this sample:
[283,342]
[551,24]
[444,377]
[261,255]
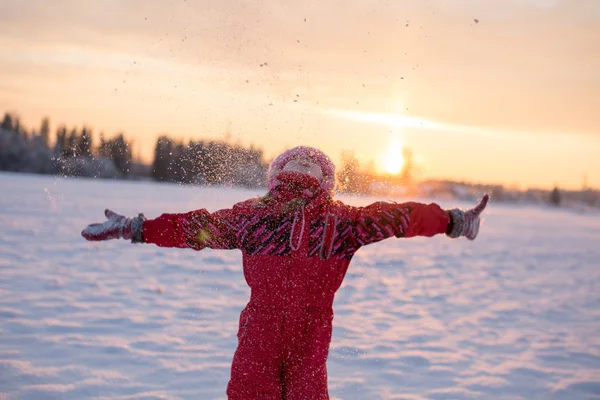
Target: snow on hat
[320,158]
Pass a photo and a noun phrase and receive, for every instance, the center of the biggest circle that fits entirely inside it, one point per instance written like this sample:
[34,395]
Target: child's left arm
[381,220]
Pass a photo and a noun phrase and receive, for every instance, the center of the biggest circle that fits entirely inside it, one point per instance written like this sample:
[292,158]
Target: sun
[393,161]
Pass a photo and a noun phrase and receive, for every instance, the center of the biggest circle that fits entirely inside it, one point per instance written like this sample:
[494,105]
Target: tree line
[208,163]
[73,152]
[76,153]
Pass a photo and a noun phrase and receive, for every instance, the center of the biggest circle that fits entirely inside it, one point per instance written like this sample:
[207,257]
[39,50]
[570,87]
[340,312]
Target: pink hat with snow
[320,158]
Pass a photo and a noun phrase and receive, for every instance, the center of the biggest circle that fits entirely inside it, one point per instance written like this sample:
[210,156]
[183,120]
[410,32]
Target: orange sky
[512,99]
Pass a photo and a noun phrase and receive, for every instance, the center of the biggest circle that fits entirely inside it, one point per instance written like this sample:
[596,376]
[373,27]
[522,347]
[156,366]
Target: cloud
[528,64]
[404,121]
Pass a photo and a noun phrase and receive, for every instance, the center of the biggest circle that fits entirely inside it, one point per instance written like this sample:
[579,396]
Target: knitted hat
[316,155]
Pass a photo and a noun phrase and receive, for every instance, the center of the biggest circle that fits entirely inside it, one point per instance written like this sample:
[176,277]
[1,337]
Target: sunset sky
[495,91]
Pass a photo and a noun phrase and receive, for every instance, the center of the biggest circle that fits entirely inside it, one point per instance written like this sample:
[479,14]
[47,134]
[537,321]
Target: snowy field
[513,315]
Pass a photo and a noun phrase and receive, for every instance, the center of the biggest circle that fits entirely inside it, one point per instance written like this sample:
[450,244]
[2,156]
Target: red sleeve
[382,220]
[196,230]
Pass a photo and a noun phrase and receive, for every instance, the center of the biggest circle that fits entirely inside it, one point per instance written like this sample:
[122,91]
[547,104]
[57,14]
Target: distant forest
[74,152]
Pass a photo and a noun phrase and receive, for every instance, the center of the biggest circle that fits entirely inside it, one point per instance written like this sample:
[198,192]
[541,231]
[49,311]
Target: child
[297,243]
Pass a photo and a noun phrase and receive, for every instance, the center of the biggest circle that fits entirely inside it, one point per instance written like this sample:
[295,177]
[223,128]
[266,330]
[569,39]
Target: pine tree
[45,131]
[84,143]
[7,122]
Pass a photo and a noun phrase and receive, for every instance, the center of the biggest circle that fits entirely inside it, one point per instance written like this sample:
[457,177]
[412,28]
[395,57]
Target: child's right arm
[196,230]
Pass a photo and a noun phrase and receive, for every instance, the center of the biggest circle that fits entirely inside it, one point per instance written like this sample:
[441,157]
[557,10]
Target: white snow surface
[512,315]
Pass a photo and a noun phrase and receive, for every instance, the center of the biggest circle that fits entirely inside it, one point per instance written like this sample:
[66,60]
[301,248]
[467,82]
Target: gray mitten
[116,227]
[466,223]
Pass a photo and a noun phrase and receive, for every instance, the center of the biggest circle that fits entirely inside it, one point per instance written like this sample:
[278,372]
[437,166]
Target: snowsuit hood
[316,155]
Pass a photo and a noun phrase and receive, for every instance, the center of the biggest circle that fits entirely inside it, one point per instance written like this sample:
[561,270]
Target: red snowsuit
[294,263]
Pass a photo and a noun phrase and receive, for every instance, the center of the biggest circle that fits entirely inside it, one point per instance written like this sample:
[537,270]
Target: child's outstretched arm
[197,229]
[381,220]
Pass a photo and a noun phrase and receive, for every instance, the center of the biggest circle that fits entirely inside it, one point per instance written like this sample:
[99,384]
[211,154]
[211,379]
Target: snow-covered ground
[513,315]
